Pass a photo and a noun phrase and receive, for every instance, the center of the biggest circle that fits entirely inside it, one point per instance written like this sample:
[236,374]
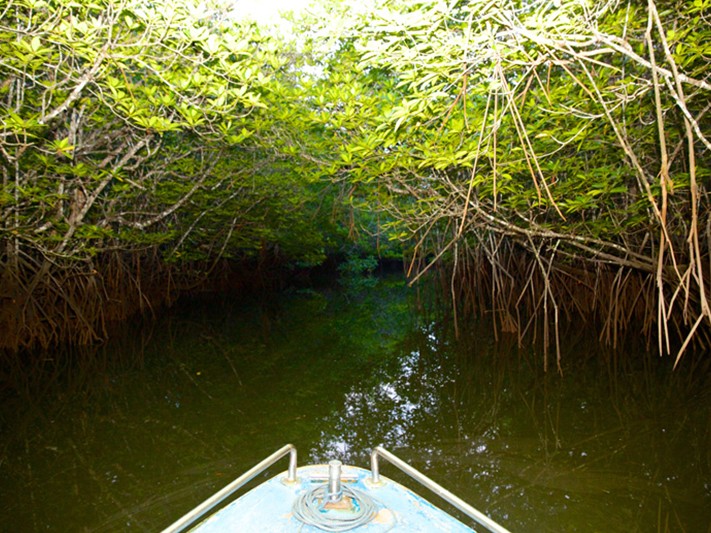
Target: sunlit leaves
[21,125]
[62,147]
[415,104]
[112,115]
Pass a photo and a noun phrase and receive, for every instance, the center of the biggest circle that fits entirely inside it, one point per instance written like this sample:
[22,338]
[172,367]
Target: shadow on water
[132,435]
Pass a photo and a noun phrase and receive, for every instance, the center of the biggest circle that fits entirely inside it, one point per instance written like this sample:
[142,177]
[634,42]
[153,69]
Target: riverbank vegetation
[551,158]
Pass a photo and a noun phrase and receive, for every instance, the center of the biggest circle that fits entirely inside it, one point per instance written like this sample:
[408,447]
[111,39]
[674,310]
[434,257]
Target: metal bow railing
[193,516]
[435,487]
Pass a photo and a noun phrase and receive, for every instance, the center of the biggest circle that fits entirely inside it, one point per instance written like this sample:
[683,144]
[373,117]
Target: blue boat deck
[269,507]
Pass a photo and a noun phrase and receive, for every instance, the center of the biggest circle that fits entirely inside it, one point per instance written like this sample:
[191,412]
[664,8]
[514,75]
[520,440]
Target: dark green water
[131,436]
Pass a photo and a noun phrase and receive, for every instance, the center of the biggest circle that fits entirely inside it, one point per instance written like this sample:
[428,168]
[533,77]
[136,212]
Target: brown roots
[534,295]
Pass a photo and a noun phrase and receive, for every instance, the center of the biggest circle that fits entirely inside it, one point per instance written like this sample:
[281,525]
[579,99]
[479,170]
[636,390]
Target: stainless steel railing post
[418,476]
[374,466]
[191,517]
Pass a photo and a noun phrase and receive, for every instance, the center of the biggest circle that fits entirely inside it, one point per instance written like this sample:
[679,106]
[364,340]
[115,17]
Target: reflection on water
[390,408]
[135,434]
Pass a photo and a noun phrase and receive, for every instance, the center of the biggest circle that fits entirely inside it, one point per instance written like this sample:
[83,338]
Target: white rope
[310,509]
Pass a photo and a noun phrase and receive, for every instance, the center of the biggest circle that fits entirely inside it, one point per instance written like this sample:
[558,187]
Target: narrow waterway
[130,436]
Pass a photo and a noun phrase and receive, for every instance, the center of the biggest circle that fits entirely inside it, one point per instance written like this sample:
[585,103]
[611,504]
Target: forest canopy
[550,157]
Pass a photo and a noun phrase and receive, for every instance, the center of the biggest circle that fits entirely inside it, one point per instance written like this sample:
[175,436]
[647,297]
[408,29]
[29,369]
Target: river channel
[131,435]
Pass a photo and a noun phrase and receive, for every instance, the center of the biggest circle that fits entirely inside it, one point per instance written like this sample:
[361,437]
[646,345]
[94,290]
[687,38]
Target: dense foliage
[546,145]
[554,154]
[132,134]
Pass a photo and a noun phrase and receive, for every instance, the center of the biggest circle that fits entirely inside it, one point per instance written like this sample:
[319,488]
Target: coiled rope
[310,508]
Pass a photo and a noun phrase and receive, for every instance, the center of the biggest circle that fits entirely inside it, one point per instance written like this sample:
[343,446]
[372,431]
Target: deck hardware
[336,504]
[335,492]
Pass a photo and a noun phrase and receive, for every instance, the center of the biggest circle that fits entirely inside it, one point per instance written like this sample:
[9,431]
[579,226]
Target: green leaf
[36,44]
